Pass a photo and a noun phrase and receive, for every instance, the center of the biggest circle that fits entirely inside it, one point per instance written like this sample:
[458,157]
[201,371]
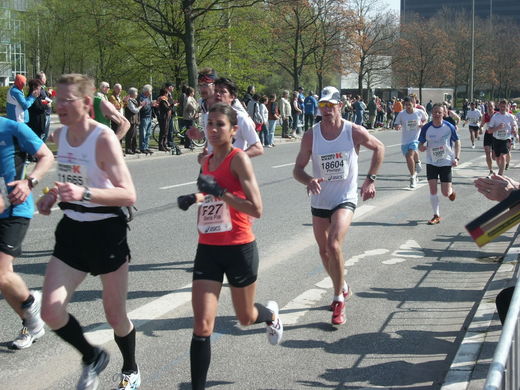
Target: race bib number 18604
[334,166]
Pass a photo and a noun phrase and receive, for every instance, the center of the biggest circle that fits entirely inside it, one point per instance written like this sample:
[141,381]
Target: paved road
[415,286]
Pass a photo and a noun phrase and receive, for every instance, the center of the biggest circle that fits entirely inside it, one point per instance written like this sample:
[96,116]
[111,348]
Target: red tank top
[241,231]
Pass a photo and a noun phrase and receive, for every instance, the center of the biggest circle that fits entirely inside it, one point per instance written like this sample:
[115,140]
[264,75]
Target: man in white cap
[333,145]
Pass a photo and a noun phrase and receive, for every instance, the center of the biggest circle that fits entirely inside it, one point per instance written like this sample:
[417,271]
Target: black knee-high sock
[126,345]
[73,334]
[264,314]
[200,356]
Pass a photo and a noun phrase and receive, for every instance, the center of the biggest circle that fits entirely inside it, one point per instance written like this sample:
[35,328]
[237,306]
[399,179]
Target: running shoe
[31,315]
[274,328]
[452,196]
[129,380]
[338,313]
[412,181]
[491,173]
[346,296]
[435,220]
[89,379]
[418,167]
[472,146]
[25,338]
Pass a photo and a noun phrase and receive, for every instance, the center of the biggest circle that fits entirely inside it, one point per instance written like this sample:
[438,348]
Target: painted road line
[144,314]
[178,185]
[283,165]
[53,209]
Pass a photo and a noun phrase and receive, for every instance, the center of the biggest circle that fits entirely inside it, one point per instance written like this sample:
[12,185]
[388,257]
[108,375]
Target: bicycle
[179,134]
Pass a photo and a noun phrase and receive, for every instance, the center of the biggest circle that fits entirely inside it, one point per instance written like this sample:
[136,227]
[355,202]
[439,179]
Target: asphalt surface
[416,287]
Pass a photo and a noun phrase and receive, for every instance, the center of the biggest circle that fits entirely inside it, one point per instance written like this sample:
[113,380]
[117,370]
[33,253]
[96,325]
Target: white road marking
[283,165]
[409,250]
[53,209]
[373,252]
[146,313]
[178,185]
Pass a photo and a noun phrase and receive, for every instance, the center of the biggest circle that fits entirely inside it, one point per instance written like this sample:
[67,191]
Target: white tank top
[77,165]
[337,162]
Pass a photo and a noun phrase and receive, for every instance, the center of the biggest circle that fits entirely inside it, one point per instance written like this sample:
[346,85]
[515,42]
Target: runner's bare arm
[456,148]
[304,155]
[110,112]
[252,205]
[21,188]
[255,150]
[361,136]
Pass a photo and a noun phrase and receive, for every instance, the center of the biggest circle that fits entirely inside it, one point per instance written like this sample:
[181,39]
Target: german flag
[496,220]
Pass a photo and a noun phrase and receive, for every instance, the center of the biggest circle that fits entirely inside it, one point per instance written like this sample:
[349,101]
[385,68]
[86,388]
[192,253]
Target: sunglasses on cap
[326,104]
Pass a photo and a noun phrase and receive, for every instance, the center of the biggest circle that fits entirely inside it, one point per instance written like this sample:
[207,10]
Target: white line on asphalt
[146,313]
[178,185]
[283,165]
[53,209]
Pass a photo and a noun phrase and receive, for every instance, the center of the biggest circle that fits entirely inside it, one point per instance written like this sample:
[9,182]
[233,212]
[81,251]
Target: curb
[460,374]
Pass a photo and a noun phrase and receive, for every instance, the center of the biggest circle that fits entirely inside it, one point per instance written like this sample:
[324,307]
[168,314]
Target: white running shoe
[418,167]
[472,146]
[32,318]
[89,379]
[129,381]
[25,338]
[412,181]
[274,329]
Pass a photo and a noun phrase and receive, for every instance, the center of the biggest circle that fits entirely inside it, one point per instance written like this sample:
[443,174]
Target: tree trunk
[189,43]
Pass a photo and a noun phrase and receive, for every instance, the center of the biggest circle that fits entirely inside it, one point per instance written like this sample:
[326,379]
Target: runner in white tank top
[93,184]
[333,145]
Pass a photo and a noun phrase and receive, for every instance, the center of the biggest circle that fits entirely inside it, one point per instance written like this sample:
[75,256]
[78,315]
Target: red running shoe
[338,313]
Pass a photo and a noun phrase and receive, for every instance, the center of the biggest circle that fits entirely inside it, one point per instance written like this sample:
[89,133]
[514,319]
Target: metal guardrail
[504,371]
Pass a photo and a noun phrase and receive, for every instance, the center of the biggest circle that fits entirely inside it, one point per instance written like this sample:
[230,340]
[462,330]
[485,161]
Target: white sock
[339,298]
[434,200]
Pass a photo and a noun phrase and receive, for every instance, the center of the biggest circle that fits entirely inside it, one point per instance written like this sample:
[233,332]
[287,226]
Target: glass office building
[483,8]
[12,53]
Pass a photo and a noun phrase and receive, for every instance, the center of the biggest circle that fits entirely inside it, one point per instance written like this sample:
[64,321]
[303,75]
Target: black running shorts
[238,262]
[444,173]
[12,233]
[324,213]
[474,128]
[488,139]
[501,146]
[97,247]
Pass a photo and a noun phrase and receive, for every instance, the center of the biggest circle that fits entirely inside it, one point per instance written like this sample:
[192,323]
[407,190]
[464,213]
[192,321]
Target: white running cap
[330,94]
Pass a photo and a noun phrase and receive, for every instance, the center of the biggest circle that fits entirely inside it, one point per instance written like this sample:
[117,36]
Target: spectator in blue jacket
[310,108]
[17,103]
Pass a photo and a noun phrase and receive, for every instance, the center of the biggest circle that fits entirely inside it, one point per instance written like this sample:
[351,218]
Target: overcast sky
[394,4]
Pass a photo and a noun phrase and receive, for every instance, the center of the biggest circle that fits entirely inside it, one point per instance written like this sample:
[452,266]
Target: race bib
[439,153]
[501,134]
[411,125]
[334,166]
[473,121]
[213,216]
[72,173]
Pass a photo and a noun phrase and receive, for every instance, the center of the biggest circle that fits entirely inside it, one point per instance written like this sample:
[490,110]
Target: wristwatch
[87,195]
[372,177]
[33,182]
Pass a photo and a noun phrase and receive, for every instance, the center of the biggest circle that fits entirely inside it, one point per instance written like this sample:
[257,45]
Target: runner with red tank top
[488,137]
[227,244]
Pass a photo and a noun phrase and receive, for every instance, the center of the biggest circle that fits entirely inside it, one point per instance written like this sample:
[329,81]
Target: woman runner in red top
[226,242]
